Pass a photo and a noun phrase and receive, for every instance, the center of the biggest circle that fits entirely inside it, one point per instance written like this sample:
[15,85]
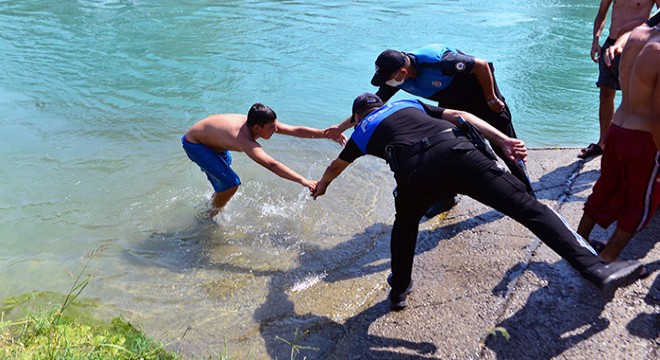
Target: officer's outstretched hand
[334,133]
[319,190]
[515,149]
[339,139]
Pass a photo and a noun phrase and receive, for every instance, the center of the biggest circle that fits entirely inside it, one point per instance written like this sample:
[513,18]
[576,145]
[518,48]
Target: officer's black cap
[387,63]
[365,101]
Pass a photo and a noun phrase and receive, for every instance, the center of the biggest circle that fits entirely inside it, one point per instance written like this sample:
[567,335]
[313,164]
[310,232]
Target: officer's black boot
[609,277]
[442,205]
[398,298]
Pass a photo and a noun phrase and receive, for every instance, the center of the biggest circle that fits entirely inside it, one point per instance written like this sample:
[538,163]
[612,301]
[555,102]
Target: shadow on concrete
[638,248]
[313,336]
[287,333]
[324,333]
[557,178]
[547,324]
[645,325]
[320,336]
[427,240]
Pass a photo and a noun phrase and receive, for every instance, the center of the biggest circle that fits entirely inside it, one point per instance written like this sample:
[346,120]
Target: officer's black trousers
[455,166]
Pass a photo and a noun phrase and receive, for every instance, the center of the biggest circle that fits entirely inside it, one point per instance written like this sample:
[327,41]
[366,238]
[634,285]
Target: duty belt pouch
[475,137]
[392,159]
[404,161]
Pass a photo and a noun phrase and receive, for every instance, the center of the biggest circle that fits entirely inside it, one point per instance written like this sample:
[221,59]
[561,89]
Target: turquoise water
[95,95]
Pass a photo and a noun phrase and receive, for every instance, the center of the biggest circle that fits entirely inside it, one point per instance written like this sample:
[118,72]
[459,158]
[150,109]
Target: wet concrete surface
[485,288]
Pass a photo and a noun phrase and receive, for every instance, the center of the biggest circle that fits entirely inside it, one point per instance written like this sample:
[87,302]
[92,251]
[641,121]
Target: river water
[95,95]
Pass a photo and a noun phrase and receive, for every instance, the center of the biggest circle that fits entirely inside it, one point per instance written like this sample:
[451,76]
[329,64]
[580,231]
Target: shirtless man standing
[628,190]
[209,141]
[626,15]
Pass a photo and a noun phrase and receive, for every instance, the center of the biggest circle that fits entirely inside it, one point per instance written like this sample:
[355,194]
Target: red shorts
[628,190]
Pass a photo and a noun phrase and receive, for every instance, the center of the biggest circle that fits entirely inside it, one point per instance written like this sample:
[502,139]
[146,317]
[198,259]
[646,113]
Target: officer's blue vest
[365,128]
[430,78]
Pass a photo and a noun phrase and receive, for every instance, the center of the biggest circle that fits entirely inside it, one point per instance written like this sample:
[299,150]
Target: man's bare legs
[220,199]
[586,225]
[617,242]
[613,247]
[605,112]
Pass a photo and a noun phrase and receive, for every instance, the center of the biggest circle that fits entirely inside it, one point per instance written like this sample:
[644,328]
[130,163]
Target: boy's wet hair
[260,114]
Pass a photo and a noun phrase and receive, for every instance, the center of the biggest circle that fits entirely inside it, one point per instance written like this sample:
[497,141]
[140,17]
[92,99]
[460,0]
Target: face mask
[394,83]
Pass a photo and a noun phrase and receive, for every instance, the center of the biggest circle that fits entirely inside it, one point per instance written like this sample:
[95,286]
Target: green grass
[54,328]
[71,339]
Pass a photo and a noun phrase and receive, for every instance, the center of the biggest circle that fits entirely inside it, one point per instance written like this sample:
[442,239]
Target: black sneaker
[612,276]
[440,206]
[398,299]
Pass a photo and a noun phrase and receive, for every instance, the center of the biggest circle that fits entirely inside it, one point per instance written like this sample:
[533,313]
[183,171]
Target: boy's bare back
[222,132]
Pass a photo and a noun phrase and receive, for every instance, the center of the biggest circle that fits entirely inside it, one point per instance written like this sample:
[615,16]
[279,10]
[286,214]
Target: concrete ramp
[485,288]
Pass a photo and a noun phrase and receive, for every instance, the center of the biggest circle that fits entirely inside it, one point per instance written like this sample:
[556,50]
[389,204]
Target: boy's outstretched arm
[256,153]
[307,132]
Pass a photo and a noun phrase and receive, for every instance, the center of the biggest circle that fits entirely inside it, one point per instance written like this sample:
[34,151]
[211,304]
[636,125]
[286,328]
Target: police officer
[431,158]
[453,79]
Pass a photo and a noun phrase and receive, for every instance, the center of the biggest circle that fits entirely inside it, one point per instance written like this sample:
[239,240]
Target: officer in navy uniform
[453,79]
[433,158]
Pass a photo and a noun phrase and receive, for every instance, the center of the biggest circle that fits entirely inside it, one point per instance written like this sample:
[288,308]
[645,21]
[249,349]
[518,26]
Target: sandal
[590,151]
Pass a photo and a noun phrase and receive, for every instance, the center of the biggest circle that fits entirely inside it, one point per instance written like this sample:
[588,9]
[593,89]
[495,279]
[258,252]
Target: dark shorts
[216,165]
[628,190]
[608,76]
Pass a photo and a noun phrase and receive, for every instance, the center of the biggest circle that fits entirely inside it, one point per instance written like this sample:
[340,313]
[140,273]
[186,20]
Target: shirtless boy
[628,190]
[626,15]
[209,141]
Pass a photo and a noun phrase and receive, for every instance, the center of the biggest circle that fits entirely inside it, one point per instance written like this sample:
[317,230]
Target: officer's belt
[427,142]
